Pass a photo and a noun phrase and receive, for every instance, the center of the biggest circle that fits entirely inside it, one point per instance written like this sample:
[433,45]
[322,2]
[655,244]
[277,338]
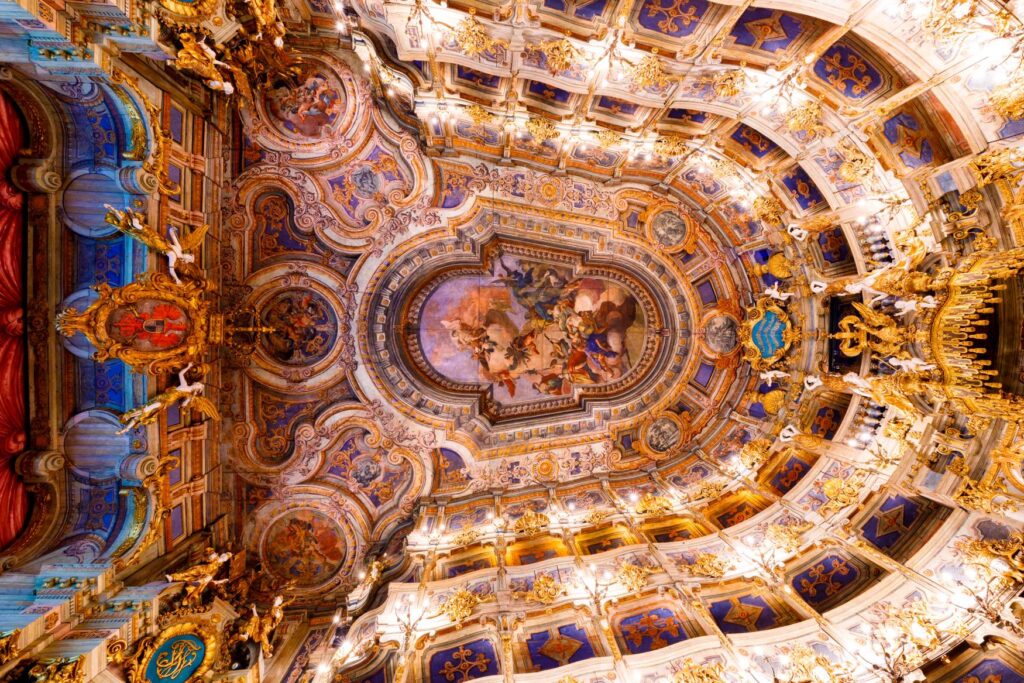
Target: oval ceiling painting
[531,329]
[304,547]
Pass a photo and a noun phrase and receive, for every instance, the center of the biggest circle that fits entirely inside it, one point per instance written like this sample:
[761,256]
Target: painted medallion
[304,547]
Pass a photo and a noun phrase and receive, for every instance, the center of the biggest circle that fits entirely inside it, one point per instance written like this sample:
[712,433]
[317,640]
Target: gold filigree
[768,210]
[1008,98]
[541,129]
[691,672]
[530,523]
[544,590]
[560,55]
[61,670]
[997,165]
[596,516]
[807,118]
[840,493]
[198,577]
[473,39]
[9,650]
[984,553]
[808,665]
[786,537]
[459,605]
[752,353]
[606,139]
[479,115]
[707,565]
[729,83]
[980,495]
[651,504]
[466,537]
[157,161]
[857,166]
[671,145]
[633,577]
[648,72]
[872,330]
[755,452]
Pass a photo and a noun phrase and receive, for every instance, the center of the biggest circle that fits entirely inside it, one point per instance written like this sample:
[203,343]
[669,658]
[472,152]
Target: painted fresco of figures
[532,329]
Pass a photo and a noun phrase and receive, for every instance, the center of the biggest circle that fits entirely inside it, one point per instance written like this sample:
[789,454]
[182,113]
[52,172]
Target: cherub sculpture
[777,294]
[198,57]
[132,224]
[199,576]
[772,376]
[260,628]
[185,392]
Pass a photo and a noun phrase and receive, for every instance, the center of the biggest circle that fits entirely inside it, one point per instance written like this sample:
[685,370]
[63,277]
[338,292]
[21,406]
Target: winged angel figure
[134,225]
[188,394]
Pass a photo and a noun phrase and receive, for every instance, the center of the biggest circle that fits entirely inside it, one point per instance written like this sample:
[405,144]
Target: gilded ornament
[541,129]
[871,330]
[188,394]
[459,605]
[153,324]
[773,401]
[473,39]
[807,118]
[157,161]
[755,452]
[729,83]
[9,646]
[786,537]
[651,504]
[466,537]
[1008,98]
[971,199]
[544,590]
[560,55]
[648,72]
[768,210]
[997,165]
[707,565]
[606,139]
[133,224]
[805,664]
[708,489]
[260,628]
[984,553]
[691,672]
[632,577]
[198,577]
[531,522]
[479,115]
[767,321]
[596,516]
[60,670]
[857,166]
[199,58]
[840,494]
[670,145]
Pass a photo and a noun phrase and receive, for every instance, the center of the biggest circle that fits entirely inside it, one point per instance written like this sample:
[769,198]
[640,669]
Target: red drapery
[13,498]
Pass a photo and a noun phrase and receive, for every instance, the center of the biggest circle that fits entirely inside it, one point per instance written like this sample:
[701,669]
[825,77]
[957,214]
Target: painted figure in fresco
[721,334]
[305,548]
[663,435]
[535,330]
[134,225]
[188,394]
[303,327]
[199,576]
[669,229]
[308,108]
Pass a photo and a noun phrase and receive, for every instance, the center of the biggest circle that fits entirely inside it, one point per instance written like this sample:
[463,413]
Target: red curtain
[13,498]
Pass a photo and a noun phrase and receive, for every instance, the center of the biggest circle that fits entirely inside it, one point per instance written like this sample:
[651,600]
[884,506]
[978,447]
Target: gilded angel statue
[132,224]
[199,576]
[198,57]
[872,330]
[188,394]
[260,628]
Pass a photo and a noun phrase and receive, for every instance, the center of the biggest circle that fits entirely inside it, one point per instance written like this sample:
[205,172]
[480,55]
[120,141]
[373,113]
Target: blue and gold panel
[650,630]
[675,530]
[465,662]
[602,539]
[993,670]
[466,562]
[749,613]
[815,496]
[704,374]
[736,214]
[536,550]
[98,507]
[900,523]
[833,579]
[735,508]
[682,115]
[547,93]
[791,470]
[767,30]
[673,18]
[753,143]
[555,647]
[452,468]
[177,659]
[703,181]
[827,421]
[849,72]
[802,189]
[476,79]
[580,9]
[906,133]
[613,105]
[834,247]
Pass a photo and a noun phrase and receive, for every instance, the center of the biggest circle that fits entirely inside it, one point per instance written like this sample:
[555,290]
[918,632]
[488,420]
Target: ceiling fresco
[561,341]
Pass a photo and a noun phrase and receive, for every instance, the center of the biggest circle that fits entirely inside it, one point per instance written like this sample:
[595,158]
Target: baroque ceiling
[636,340]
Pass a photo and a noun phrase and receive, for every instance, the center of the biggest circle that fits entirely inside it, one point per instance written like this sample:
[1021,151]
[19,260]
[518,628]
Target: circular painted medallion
[663,435]
[176,659]
[721,334]
[304,547]
[309,109]
[670,229]
[305,327]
